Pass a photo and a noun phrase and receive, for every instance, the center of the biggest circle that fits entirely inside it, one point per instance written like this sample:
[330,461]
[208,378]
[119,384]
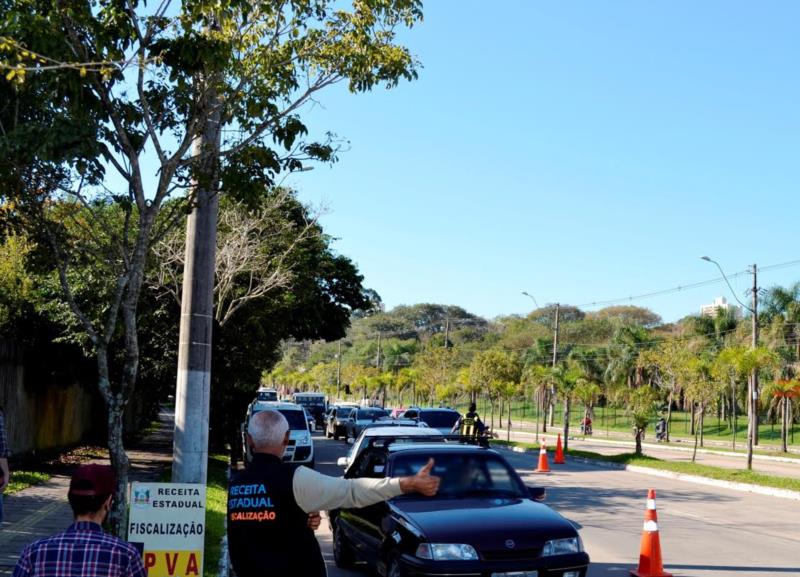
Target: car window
[439,419]
[412,414]
[463,473]
[296,419]
[365,414]
[371,464]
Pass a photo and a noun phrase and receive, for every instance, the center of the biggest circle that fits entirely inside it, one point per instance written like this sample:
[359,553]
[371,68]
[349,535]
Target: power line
[687,286]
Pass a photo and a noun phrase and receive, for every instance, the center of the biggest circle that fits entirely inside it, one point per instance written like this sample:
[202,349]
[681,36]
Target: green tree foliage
[95,87]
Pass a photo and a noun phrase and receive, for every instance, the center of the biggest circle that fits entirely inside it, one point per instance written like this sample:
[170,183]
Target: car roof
[440,447]
[448,409]
[394,430]
[276,405]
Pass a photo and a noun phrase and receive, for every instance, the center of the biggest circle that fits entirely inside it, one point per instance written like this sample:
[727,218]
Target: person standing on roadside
[5,474]
[84,549]
[273,507]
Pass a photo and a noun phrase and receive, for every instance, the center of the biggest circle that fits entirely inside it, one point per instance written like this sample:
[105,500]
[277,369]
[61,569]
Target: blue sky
[580,151]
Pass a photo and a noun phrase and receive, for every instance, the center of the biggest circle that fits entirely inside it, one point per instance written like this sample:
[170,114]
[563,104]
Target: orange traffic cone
[559,460]
[543,466]
[650,564]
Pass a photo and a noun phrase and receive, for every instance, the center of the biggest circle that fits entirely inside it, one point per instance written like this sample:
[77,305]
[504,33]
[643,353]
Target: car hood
[486,523]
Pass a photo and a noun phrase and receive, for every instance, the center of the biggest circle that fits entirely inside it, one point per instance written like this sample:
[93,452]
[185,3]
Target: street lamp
[530,296]
[752,393]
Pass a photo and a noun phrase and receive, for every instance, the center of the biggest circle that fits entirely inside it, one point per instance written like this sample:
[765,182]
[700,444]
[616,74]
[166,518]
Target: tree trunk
[545,408]
[784,423]
[508,431]
[696,431]
[638,436]
[566,421]
[669,414]
[702,424]
[693,430]
[733,411]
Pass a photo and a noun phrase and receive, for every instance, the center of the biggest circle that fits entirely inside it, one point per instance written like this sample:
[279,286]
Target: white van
[301,446]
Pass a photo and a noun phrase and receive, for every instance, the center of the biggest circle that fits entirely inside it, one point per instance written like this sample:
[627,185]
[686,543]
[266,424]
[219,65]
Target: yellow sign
[172,563]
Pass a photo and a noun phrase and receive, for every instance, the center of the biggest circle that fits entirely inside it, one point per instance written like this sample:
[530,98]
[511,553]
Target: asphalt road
[705,531]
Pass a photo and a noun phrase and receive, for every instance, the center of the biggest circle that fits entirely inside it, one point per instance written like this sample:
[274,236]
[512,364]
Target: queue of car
[483,522]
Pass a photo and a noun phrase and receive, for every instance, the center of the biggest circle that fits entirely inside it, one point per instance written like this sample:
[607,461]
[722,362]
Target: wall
[44,415]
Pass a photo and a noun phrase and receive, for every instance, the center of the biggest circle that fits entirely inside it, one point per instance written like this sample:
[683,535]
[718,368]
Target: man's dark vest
[268,534]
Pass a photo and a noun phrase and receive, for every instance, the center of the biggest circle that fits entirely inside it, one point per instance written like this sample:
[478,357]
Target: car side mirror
[350,440]
[536,493]
[342,462]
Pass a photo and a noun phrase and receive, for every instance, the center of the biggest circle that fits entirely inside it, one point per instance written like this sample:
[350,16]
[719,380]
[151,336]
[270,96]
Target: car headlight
[447,552]
[562,547]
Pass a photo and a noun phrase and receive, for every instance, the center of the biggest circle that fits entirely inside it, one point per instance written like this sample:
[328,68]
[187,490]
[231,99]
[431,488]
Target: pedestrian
[5,474]
[273,507]
[84,549]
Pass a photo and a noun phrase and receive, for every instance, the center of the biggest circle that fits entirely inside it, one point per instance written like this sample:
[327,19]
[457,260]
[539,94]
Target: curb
[733,485]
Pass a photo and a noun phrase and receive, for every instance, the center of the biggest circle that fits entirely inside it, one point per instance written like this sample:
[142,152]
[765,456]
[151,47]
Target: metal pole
[193,391]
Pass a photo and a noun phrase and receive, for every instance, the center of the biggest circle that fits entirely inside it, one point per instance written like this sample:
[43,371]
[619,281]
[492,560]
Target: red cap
[93,480]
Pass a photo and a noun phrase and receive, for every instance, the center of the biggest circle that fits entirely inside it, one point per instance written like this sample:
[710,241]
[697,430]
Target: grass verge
[23,479]
[719,473]
[216,507]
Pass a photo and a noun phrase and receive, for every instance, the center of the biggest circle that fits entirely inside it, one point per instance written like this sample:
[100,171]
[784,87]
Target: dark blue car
[483,522]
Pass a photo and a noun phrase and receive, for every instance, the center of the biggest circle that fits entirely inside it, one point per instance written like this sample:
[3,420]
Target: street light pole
[752,388]
[539,409]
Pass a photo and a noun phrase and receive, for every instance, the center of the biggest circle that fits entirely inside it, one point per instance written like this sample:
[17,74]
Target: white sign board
[168,520]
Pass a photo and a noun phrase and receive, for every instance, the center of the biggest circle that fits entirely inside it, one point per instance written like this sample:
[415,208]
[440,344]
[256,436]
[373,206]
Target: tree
[435,367]
[538,378]
[98,87]
[667,363]
[630,315]
[565,379]
[779,394]
[702,390]
[641,405]
[497,372]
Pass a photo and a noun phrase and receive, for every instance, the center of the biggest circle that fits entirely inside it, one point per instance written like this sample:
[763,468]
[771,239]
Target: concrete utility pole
[552,406]
[193,391]
[752,385]
[752,429]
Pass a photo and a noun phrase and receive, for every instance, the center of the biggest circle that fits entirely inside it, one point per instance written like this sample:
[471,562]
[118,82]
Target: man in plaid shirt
[84,549]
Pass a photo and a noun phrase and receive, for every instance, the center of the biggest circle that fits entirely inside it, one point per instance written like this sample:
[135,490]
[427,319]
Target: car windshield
[267,395]
[296,418]
[464,474]
[439,419]
[310,401]
[367,414]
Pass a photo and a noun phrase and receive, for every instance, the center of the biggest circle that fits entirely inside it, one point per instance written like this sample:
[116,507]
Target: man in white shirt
[273,507]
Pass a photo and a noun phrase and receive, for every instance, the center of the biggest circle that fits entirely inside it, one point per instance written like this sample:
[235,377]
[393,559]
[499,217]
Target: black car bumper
[546,567]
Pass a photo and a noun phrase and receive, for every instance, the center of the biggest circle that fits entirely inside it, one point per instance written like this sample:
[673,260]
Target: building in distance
[721,303]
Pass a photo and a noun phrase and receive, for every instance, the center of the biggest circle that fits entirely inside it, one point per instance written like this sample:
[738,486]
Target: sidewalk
[42,510]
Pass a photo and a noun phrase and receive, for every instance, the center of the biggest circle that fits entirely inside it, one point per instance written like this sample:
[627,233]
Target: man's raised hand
[423,482]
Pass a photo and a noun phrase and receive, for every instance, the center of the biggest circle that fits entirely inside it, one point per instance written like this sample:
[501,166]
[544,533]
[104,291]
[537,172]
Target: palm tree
[780,394]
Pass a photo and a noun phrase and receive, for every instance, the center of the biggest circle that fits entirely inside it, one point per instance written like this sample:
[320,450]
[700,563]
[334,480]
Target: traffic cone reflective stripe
[650,563]
[559,460]
[543,466]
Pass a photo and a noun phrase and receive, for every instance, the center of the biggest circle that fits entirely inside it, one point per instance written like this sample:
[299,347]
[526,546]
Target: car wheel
[336,434]
[343,554]
[328,434]
[393,567]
